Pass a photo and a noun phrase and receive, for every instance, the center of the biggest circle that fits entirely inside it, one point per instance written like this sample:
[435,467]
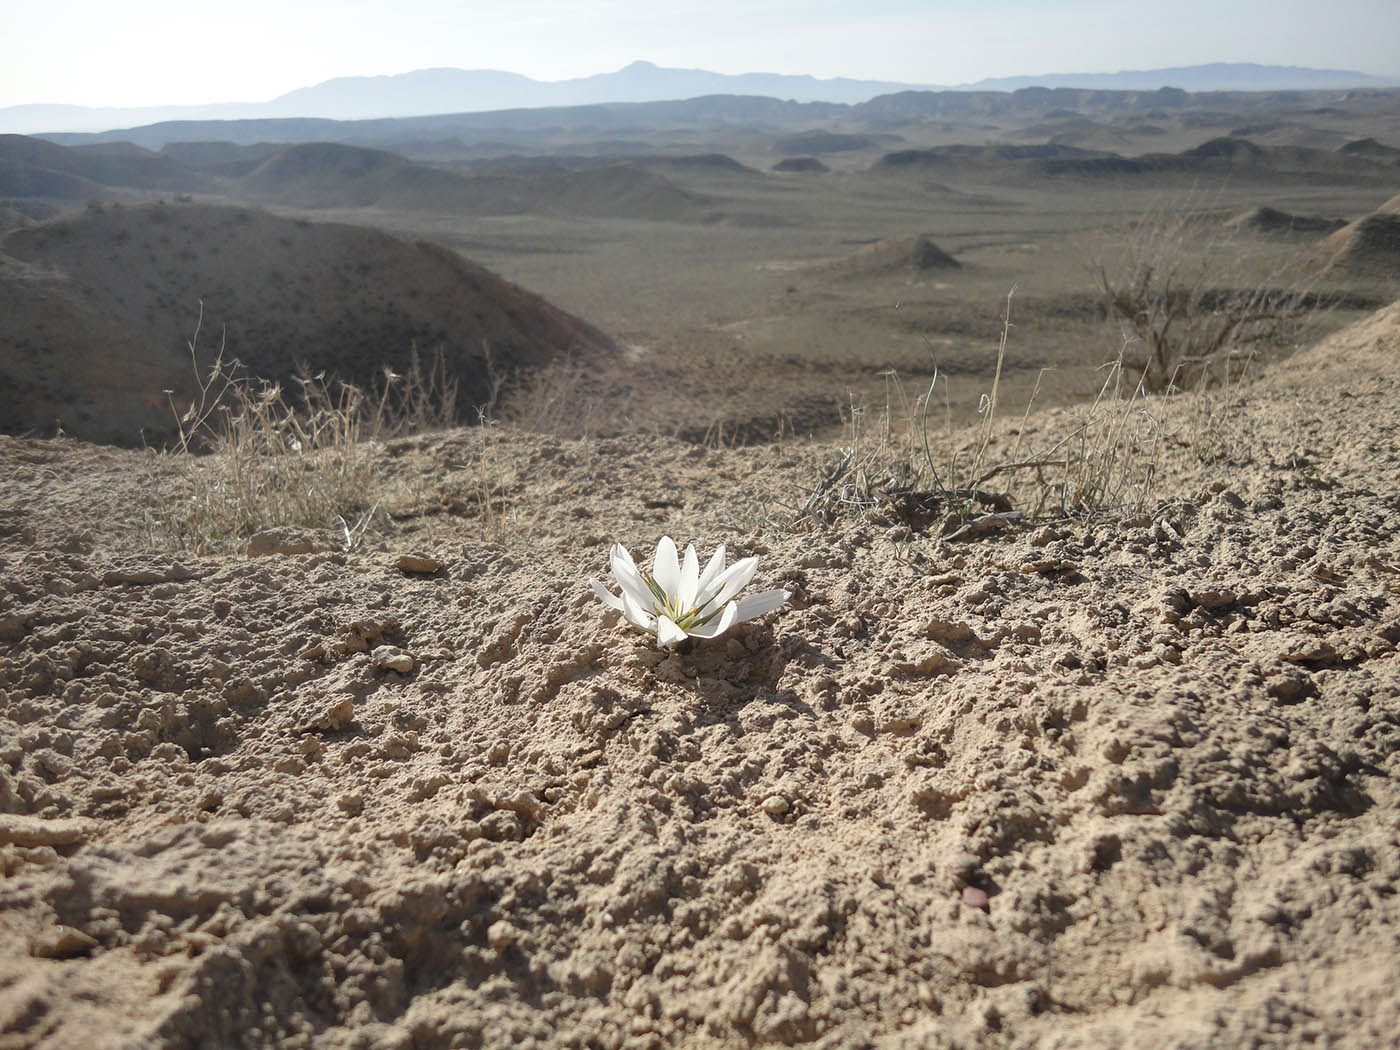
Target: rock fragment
[775,806]
[280,541]
[419,563]
[61,942]
[392,658]
[19,830]
[501,935]
[332,714]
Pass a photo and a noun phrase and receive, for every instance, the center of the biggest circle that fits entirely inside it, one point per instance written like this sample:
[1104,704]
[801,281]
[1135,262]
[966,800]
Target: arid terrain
[1079,729]
[750,302]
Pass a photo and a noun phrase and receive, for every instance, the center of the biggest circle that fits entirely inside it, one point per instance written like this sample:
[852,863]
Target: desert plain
[1079,728]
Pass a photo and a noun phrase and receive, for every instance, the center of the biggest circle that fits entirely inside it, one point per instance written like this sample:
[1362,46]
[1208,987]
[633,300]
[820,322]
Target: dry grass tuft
[251,454]
[561,400]
[1105,462]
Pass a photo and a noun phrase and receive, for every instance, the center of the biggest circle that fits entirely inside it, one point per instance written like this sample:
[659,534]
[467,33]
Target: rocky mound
[912,255]
[1090,784]
[99,308]
[1368,247]
[622,190]
[1372,149]
[329,175]
[219,158]
[1215,158]
[987,156]
[1263,219]
[801,164]
[698,162]
[1071,129]
[31,167]
[825,142]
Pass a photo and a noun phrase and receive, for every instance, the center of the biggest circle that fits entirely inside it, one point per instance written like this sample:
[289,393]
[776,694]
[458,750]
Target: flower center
[668,606]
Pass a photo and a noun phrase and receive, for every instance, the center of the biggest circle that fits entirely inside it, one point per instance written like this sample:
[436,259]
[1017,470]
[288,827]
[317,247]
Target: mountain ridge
[427,92]
[516,129]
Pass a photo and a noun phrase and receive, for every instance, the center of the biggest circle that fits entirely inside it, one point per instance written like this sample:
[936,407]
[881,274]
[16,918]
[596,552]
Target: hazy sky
[104,53]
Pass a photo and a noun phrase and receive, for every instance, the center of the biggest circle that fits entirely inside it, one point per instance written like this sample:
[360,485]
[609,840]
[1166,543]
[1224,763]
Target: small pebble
[975,898]
[417,563]
[775,805]
[388,658]
[62,942]
[501,935]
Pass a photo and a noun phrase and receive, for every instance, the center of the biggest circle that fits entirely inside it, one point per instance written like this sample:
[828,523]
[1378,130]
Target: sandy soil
[1107,784]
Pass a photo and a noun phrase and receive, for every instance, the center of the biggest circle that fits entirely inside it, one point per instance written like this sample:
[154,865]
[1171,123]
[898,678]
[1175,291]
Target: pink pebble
[975,898]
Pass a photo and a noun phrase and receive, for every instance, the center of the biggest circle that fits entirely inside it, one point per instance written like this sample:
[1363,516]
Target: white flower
[677,600]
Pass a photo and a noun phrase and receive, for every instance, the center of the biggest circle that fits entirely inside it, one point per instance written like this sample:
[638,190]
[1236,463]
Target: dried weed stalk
[556,400]
[486,490]
[1106,462]
[252,455]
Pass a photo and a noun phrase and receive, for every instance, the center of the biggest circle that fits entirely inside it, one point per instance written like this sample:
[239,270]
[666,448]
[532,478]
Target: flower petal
[727,618]
[711,573]
[609,599]
[752,605]
[620,553]
[636,615]
[666,568]
[690,578]
[667,633]
[624,569]
[732,580]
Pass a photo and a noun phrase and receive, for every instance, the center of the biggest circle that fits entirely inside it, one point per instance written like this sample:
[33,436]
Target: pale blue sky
[169,52]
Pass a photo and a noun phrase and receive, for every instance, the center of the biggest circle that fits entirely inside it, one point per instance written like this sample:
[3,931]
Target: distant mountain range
[1217,76]
[426,92]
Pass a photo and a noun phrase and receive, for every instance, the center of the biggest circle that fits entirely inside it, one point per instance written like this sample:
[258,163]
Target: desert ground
[1080,727]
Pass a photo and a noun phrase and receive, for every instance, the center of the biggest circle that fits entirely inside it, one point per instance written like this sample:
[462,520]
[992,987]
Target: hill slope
[31,167]
[329,175]
[1368,247]
[99,307]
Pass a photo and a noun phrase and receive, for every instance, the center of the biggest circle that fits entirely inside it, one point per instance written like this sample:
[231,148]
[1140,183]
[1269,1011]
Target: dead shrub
[561,400]
[1189,294]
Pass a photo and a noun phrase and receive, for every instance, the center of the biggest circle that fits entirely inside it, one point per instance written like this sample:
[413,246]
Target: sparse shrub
[253,454]
[1104,461]
[1188,295]
[555,399]
[1107,461]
